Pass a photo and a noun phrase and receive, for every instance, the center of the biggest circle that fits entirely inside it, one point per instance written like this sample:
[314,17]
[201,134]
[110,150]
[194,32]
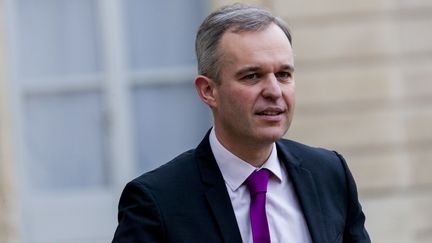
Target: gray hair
[235,18]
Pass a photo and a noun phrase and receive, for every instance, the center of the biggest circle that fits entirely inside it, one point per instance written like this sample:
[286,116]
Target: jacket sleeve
[139,219]
[355,231]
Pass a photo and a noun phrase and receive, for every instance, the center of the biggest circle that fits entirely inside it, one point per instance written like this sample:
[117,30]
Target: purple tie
[257,184]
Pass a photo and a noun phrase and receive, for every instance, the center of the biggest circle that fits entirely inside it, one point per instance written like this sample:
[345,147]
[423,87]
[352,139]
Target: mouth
[270,112]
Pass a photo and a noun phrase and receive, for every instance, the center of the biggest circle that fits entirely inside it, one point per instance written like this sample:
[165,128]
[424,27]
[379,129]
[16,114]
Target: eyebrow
[251,69]
[287,67]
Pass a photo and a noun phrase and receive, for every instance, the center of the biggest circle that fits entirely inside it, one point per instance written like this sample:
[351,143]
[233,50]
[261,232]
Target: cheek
[229,102]
[289,96]
[237,102]
[238,98]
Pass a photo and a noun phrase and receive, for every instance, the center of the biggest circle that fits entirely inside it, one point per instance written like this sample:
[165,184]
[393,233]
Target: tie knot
[257,181]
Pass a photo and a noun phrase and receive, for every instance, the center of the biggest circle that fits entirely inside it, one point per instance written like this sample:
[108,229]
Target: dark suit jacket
[186,200]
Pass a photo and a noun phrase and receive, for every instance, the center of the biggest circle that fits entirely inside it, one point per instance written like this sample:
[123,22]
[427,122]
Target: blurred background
[95,92]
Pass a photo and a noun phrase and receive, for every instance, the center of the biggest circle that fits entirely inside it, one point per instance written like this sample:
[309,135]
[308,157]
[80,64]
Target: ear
[206,90]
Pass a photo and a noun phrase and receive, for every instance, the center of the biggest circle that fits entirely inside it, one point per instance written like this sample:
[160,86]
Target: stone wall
[364,88]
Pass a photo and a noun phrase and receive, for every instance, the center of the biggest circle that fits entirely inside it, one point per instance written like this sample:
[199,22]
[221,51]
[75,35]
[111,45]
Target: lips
[269,113]
[275,111]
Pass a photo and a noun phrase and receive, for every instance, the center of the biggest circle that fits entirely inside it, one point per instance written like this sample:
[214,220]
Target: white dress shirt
[284,215]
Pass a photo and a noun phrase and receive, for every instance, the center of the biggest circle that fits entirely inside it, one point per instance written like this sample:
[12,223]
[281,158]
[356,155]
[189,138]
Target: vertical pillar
[8,215]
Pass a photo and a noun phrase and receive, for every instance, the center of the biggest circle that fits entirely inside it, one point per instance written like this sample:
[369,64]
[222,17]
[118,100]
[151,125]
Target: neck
[256,154]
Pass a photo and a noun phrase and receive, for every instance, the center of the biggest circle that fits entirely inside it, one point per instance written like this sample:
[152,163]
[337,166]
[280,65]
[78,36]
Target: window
[102,91]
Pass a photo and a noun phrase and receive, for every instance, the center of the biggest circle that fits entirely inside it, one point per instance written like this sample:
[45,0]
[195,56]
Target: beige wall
[364,88]
[8,215]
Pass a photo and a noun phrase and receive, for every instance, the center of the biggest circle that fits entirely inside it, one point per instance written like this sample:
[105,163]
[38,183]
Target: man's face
[254,101]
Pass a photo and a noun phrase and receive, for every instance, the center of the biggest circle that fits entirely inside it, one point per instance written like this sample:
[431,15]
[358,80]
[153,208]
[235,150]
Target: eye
[283,75]
[252,76]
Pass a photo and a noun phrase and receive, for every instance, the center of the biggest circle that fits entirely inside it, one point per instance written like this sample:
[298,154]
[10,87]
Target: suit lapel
[216,194]
[307,194]
[226,221]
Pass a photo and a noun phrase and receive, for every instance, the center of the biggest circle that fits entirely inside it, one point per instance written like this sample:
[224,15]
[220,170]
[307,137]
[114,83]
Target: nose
[271,88]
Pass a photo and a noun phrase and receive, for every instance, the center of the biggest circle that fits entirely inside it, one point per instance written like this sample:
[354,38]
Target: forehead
[269,46]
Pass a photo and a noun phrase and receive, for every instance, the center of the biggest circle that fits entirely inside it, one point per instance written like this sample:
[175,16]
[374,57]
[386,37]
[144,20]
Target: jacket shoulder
[303,152]
[170,172]
[326,166]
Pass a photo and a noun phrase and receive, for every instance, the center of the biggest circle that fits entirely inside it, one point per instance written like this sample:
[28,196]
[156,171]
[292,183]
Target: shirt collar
[235,170]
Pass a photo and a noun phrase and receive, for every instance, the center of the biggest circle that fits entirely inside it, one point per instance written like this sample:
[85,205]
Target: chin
[272,135]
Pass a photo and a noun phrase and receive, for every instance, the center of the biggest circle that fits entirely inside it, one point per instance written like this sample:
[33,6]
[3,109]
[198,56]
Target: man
[243,183]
